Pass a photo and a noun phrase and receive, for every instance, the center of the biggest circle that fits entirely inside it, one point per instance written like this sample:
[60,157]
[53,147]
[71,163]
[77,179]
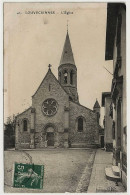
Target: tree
[9,133]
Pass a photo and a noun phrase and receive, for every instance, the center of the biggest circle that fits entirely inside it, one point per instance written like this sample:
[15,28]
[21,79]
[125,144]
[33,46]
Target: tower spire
[67,54]
[67,71]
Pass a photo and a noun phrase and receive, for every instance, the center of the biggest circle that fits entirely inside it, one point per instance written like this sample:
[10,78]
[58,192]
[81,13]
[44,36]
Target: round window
[49,107]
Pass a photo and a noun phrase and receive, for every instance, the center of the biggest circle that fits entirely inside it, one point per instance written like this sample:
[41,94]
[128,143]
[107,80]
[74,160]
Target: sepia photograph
[65,103]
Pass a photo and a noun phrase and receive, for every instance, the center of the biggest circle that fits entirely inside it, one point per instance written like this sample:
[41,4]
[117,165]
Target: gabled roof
[67,54]
[24,111]
[50,72]
[96,105]
[81,105]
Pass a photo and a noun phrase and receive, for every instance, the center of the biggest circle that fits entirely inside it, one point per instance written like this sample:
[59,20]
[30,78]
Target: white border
[1,80]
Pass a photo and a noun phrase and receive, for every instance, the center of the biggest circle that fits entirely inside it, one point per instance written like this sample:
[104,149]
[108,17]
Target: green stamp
[28,176]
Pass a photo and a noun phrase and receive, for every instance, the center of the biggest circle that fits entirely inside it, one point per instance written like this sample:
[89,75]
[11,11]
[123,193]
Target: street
[63,169]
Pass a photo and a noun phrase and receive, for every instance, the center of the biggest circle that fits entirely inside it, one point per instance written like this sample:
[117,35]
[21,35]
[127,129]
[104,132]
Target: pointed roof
[96,105]
[67,54]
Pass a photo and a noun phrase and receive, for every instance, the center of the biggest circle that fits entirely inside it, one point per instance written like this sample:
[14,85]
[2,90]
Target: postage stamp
[28,176]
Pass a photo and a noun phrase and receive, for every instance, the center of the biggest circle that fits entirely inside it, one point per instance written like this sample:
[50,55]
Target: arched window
[65,76]
[71,77]
[25,125]
[80,124]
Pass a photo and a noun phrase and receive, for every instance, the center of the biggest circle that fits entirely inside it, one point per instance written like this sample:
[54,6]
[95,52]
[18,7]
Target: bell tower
[67,71]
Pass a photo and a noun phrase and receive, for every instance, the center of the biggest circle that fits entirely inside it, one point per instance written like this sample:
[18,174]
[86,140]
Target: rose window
[49,107]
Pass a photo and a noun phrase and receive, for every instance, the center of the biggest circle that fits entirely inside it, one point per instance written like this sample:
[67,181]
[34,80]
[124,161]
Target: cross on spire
[67,25]
[49,66]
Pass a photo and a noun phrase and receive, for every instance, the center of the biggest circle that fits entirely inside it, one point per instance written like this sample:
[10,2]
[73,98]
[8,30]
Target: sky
[32,41]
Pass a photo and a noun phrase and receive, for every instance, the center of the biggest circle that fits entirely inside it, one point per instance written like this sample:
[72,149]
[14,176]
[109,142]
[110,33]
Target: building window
[71,77]
[70,98]
[65,76]
[80,124]
[60,77]
[49,107]
[25,125]
[49,87]
[113,130]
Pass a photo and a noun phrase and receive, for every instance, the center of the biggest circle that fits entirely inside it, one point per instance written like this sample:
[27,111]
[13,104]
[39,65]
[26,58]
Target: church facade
[56,118]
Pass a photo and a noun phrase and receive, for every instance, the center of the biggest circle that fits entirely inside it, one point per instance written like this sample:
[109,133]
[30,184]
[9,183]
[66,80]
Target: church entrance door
[102,141]
[50,139]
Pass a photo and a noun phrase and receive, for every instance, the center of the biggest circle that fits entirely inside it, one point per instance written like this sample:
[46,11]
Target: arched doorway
[50,138]
[50,135]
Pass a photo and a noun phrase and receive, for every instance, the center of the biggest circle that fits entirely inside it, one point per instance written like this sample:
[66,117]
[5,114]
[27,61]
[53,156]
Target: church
[56,118]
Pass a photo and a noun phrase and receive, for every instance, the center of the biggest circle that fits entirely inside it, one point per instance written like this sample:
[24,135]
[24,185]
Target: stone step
[83,145]
[110,175]
[116,170]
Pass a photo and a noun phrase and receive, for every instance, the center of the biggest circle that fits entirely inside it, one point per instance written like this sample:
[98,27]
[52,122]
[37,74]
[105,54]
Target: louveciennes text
[48,12]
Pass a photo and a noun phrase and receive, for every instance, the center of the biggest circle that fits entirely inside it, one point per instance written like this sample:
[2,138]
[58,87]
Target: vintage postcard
[65,127]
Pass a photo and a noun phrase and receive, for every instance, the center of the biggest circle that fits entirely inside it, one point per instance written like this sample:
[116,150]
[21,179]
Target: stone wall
[22,138]
[90,132]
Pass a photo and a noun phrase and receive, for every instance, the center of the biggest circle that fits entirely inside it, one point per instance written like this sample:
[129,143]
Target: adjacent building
[116,51]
